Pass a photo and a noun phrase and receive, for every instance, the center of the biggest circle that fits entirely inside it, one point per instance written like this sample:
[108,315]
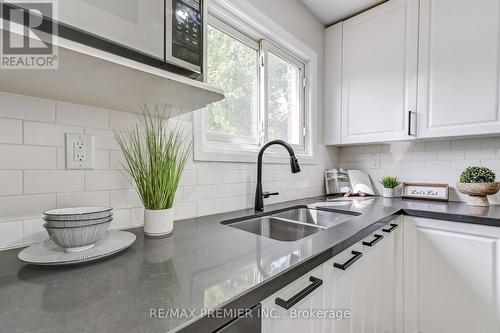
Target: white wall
[33,178]
[431,161]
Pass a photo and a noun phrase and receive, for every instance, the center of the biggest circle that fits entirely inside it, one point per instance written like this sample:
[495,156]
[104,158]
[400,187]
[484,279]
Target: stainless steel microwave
[167,34]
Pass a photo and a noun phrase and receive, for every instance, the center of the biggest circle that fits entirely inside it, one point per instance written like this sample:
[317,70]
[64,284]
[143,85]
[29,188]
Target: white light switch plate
[79,151]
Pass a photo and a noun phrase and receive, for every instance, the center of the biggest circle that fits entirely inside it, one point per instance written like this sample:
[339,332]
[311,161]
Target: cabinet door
[276,319]
[458,68]
[379,73]
[452,273]
[138,24]
[372,287]
[348,291]
[333,85]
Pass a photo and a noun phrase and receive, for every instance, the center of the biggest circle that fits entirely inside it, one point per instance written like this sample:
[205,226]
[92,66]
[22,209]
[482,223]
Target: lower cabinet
[448,272]
[452,273]
[359,290]
[367,280]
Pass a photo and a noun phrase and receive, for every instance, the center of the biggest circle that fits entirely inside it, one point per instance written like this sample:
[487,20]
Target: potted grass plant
[389,183]
[478,182]
[155,150]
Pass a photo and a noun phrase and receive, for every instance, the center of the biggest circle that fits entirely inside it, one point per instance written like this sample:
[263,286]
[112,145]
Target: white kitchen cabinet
[452,273]
[371,287]
[333,85]
[379,73]
[458,82]
[277,319]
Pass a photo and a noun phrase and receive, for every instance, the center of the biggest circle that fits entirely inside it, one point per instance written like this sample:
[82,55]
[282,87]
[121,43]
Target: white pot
[388,193]
[158,222]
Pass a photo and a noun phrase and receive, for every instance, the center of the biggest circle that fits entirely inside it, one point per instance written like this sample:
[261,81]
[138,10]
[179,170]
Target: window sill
[276,156]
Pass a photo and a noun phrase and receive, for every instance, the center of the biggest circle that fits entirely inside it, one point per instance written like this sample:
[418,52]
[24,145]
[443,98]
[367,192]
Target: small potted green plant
[389,183]
[155,153]
[478,182]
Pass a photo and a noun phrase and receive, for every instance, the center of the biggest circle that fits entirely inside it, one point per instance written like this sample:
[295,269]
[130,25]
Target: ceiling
[332,11]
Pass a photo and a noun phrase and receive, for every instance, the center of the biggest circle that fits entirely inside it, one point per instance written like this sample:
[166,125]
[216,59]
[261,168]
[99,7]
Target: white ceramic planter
[158,223]
[388,193]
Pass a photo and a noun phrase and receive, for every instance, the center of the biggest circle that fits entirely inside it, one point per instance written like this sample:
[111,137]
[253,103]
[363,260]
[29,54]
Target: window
[264,88]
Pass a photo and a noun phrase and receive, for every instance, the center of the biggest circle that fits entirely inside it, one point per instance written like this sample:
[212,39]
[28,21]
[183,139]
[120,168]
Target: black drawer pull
[348,263]
[377,238]
[391,228]
[316,283]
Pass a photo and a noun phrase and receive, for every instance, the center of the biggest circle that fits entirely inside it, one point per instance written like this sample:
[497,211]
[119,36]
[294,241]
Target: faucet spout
[294,167]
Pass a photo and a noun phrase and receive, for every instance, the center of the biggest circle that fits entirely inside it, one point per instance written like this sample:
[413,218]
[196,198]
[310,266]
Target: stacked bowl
[79,228]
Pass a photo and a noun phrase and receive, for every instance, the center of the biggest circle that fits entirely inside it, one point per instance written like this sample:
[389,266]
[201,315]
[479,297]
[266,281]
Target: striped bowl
[74,239]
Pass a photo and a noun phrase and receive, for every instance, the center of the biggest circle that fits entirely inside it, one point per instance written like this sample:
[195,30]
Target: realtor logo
[28,34]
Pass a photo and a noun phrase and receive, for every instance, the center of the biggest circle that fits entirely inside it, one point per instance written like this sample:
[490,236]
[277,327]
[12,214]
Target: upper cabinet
[458,82]
[446,52]
[333,84]
[379,71]
[138,24]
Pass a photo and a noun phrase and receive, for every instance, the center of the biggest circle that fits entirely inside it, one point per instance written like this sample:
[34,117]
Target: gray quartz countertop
[203,265]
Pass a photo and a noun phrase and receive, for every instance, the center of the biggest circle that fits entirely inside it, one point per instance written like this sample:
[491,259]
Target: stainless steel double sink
[291,224]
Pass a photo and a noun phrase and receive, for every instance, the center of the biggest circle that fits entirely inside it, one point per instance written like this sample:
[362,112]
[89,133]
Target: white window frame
[248,25]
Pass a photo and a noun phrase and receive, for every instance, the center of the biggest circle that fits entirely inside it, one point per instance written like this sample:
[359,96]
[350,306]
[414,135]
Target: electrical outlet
[375,161]
[79,151]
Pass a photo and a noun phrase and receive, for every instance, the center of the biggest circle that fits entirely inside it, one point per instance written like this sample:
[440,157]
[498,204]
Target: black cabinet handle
[377,239]
[316,283]
[348,263]
[409,123]
[391,228]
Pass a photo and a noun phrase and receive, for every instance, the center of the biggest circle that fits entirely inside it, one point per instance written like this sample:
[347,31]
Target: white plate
[49,253]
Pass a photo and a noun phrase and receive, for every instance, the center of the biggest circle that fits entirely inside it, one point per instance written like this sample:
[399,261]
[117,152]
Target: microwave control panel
[187,31]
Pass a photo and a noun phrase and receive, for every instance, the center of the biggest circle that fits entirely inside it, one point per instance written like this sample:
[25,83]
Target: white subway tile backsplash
[451,155]
[11,131]
[124,199]
[11,182]
[121,219]
[483,154]
[437,145]
[33,231]
[441,162]
[81,115]
[26,108]
[98,180]
[189,177]
[465,144]
[116,160]
[487,143]
[11,234]
[101,161]
[424,155]
[492,164]
[27,157]
[103,139]
[136,217]
[34,178]
[20,207]
[185,210]
[89,199]
[60,158]
[209,207]
[42,134]
[123,120]
[52,181]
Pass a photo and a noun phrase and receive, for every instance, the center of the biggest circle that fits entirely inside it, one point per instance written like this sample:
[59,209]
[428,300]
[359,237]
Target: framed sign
[425,191]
